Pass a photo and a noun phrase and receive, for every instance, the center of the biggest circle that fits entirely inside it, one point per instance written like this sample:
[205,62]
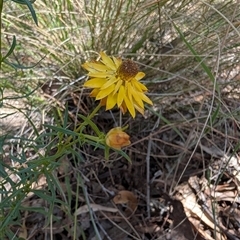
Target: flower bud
[117,139]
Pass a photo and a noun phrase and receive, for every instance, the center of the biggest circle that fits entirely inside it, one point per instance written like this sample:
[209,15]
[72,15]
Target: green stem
[69,144]
[94,111]
[93,138]
[84,123]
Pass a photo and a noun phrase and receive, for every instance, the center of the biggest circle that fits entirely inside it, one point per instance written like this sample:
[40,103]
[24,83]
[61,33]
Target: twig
[148,165]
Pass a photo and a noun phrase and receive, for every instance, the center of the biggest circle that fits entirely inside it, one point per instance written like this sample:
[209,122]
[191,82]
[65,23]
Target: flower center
[127,70]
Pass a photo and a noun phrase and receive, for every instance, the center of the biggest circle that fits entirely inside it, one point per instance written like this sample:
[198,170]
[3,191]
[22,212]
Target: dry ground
[183,181]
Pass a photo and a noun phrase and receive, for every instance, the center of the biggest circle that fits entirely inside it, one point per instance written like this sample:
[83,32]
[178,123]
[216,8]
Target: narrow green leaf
[215,114]
[30,7]
[18,66]
[43,195]
[13,45]
[92,124]
[121,152]
[59,129]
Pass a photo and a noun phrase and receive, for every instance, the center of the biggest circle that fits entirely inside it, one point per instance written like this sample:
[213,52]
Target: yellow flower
[116,82]
[117,139]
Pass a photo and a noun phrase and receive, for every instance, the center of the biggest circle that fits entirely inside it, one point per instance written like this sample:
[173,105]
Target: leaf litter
[196,199]
[204,204]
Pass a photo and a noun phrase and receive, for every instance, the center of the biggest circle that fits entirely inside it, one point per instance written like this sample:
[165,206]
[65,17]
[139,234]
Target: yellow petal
[129,91]
[111,101]
[87,66]
[145,98]
[105,92]
[95,82]
[109,83]
[139,109]
[139,76]
[99,74]
[118,85]
[107,61]
[120,95]
[117,62]
[130,106]
[138,100]
[139,86]
[135,94]
[91,66]
[94,92]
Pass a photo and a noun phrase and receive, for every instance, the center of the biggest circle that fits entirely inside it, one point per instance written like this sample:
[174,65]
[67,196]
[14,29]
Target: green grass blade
[10,51]
[30,7]
[198,58]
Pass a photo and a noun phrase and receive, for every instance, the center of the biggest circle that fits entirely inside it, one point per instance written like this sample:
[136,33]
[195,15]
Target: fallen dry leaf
[192,208]
[126,197]
[23,230]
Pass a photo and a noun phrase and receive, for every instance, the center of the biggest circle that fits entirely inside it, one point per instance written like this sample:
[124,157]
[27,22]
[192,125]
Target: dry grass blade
[94,207]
